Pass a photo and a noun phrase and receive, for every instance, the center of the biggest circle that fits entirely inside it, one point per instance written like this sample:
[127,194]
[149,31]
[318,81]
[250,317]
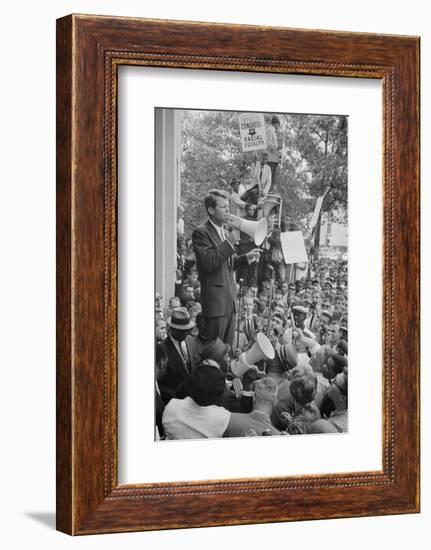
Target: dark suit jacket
[176,371]
[216,261]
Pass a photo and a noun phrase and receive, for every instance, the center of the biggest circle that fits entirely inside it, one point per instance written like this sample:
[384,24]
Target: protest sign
[252,131]
[293,246]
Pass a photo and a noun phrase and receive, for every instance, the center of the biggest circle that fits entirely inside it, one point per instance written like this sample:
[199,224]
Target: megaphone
[261,349]
[256,230]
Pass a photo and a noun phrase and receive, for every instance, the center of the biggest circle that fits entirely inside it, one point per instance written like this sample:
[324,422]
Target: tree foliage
[313,158]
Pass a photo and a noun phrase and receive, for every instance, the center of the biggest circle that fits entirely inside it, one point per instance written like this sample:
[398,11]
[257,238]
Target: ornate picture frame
[89,51]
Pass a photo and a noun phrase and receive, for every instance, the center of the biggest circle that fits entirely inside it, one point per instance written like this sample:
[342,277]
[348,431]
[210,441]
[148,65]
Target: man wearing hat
[216,261]
[272,146]
[177,352]
[199,415]
[303,339]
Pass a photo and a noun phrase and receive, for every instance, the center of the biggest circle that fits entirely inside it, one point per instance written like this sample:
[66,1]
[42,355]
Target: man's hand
[253,255]
[234,221]
[286,418]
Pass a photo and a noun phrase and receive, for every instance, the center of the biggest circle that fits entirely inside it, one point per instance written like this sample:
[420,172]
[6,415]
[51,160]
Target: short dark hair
[211,199]
[303,387]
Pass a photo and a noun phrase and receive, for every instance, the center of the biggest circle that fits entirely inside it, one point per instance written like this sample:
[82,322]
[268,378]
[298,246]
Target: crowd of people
[249,345]
[205,385]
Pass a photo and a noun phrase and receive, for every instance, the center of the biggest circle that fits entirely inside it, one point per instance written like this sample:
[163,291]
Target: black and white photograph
[251,274]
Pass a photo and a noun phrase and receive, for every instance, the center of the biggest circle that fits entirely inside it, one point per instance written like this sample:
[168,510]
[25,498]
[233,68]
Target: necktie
[185,354]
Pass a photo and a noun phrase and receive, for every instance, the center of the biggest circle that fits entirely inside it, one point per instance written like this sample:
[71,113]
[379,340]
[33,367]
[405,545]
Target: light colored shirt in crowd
[262,175]
[237,206]
[185,419]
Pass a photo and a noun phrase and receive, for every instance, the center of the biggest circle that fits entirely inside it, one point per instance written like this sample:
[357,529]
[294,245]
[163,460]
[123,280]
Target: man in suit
[177,352]
[216,261]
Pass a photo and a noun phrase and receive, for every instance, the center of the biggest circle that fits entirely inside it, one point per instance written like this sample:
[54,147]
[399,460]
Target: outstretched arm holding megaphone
[216,261]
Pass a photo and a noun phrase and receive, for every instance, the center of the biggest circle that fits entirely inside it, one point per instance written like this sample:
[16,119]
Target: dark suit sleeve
[209,257]
[239,262]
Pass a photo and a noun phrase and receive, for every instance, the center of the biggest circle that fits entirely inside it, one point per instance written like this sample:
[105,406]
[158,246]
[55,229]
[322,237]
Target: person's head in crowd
[345,306]
[245,291]
[341,381]
[275,121]
[299,315]
[265,394]
[303,387]
[307,295]
[160,331]
[253,291]
[159,315]
[326,304]
[193,276]
[337,316]
[291,290]
[325,319]
[342,348]
[262,301]
[284,287]
[299,286]
[180,323]
[266,287]
[161,361]
[334,365]
[329,285]
[174,302]
[247,304]
[207,383]
[316,284]
[278,323]
[338,303]
[277,296]
[217,351]
[250,210]
[320,358]
[197,293]
[334,330]
[217,206]
[316,298]
[193,309]
[234,184]
[279,308]
[263,158]
[188,293]
[309,285]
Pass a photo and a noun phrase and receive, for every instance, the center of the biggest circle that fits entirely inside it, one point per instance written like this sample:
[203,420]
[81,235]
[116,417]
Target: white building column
[167,197]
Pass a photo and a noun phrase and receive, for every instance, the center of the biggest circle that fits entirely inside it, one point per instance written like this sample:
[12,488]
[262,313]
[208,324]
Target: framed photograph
[237,206]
